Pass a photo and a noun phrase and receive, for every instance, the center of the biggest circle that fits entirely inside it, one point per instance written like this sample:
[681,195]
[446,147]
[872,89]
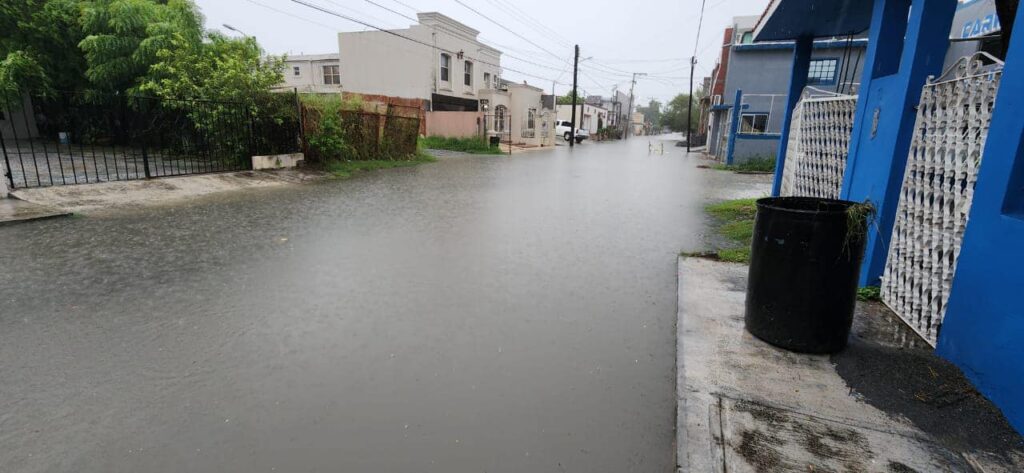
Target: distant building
[761,71]
[517,113]
[639,124]
[318,73]
[588,116]
[438,60]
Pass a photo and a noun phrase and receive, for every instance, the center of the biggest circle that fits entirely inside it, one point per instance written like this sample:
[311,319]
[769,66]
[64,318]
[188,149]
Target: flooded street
[478,314]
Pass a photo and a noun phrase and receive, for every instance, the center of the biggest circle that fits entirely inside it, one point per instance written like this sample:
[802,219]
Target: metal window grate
[935,200]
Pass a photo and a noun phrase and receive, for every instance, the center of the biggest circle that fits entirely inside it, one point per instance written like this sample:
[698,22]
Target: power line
[460,2]
[700,23]
[406,5]
[515,12]
[393,33]
[297,17]
[527,61]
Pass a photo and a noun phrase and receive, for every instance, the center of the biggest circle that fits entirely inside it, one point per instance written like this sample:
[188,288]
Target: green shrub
[758,164]
[473,145]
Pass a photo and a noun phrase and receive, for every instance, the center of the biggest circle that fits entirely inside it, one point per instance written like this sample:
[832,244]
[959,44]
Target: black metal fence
[75,138]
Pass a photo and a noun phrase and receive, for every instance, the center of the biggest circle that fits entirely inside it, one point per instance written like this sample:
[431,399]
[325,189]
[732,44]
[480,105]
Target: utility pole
[689,109]
[629,112]
[575,77]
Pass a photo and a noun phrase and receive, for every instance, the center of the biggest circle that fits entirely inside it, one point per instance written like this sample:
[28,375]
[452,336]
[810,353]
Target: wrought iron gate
[938,187]
[74,138]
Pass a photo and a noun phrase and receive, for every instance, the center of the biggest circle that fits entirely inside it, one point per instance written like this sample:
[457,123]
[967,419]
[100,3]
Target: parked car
[564,129]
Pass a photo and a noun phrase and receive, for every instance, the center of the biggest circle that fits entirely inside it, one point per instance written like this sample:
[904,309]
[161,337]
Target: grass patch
[736,224]
[764,165]
[465,145]
[869,293]
[345,169]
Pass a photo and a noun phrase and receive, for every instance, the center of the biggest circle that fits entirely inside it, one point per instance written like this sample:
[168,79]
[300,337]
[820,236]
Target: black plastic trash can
[804,265]
[495,141]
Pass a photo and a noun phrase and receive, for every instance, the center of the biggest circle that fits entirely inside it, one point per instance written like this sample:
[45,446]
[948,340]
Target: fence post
[737,110]
[252,133]
[302,122]
[6,168]
[145,151]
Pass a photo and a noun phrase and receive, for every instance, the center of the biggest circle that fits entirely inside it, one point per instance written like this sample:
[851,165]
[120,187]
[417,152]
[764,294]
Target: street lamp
[236,30]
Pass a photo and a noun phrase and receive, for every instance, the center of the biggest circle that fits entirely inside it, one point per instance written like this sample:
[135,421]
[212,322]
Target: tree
[567,99]
[675,116]
[218,68]
[652,113]
[123,38]
[39,47]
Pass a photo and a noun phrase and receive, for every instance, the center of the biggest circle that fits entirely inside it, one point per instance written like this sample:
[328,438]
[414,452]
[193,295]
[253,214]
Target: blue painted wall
[983,332]
[902,52]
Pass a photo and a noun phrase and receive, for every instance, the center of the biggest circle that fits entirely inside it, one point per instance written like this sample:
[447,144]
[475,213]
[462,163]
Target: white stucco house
[516,113]
[588,116]
[315,73]
[438,60]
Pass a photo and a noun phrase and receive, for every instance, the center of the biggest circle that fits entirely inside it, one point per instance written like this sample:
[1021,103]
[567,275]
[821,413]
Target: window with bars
[754,123]
[446,65]
[822,71]
[332,75]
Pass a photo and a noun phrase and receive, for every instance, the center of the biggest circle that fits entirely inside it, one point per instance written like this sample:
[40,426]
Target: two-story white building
[438,60]
[317,73]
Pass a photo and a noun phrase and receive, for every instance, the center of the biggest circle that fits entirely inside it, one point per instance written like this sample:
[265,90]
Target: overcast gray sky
[652,36]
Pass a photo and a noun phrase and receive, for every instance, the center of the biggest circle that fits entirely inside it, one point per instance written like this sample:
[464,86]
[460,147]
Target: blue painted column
[984,325]
[734,127]
[797,82]
[895,70]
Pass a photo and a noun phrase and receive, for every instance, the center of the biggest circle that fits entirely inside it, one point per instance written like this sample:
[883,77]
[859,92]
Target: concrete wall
[983,329]
[747,149]
[522,99]
[454,124]
[375,62]
[587,116]
[18,120]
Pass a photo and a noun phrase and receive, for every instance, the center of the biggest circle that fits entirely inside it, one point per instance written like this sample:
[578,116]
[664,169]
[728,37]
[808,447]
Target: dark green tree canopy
[156,47]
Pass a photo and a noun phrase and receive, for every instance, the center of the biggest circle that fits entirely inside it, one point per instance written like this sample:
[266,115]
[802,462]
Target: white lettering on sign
[981,26]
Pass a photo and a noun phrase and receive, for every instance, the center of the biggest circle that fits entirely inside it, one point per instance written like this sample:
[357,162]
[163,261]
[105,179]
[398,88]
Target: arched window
[500,112]
[446,66]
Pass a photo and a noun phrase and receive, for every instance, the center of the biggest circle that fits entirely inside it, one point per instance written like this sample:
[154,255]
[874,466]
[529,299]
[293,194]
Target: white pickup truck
[564,129]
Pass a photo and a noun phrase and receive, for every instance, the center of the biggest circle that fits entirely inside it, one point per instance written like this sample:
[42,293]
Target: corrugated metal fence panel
[819,146]
[935,200]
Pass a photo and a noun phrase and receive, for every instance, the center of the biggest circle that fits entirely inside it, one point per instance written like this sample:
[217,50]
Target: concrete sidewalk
[100,197]
[14,210]
[886,404]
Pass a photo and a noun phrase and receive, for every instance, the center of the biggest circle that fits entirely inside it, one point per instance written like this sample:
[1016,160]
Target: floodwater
[478,314]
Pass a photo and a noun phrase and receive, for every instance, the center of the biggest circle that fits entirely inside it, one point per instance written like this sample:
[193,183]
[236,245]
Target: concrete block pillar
[984,322]
[797,82]
[908,43]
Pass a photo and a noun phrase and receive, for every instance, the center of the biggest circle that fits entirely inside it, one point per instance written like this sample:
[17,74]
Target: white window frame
[750,128]
[296,71]
[487,79]
[332,74]
[500,116]
[445,74]
[467,74]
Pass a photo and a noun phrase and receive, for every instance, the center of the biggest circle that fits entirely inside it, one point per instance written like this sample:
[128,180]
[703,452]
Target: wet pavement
[498,314]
